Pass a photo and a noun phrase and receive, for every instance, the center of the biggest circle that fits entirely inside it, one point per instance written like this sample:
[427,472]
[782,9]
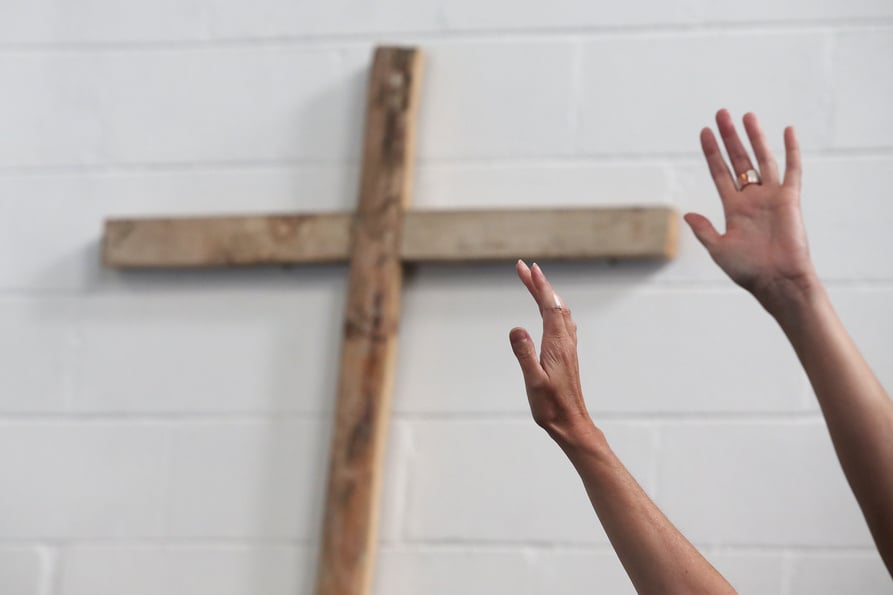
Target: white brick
[845,209]
[862,90]
[395,491]
[839,572]
[248,480]
[58,246]
[99,20]
[506,481]
[529,14]
[475,95]
[476,571]
[186,570]
[51,111]
[174,20]
[23,570]
[760,11]
[90,480]
[216,349]
[183,105]
[230,18]
[541,185]
[573,14]
[457,322]
[232,104]
[473,570]
[654,93]
[641,350]
[775,483]
[268,480]
[694,345]
[35,346]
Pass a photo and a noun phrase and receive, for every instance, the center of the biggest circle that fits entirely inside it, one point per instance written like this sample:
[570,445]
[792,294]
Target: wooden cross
[377,239]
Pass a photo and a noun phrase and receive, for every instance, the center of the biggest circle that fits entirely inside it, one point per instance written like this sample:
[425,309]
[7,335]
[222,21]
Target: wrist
[787,299]
[582,438]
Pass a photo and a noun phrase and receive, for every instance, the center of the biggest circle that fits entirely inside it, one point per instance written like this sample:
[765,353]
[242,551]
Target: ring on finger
[749,177]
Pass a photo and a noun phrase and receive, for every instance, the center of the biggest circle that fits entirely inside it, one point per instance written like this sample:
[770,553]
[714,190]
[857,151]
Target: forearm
[857,410]
[656,556]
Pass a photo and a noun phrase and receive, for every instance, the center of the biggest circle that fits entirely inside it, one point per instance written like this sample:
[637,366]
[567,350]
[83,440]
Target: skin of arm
[764,250]
[656,556]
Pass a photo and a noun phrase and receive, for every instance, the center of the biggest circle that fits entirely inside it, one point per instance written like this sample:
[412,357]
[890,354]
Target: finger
[738,156]
[792,167]
[703,230]
[722,177]
[525,351]
[765,158]
[527,280]
[554,311]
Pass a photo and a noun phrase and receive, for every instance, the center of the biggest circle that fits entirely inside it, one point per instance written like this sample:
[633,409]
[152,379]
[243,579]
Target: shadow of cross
[377,239]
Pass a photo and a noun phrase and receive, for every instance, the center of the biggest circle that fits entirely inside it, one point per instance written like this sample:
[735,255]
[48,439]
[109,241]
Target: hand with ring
[764,246]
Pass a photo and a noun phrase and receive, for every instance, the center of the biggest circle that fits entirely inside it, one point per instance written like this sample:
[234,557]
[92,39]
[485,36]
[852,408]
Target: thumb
[703,230]
[522,346]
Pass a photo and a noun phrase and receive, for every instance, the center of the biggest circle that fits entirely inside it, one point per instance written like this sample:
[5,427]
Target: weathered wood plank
[226,241]
[428,236]
[570,234]
[370,330]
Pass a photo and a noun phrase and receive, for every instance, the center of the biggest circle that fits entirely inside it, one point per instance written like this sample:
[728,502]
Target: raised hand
[656,556]
[553,378]
[764,247]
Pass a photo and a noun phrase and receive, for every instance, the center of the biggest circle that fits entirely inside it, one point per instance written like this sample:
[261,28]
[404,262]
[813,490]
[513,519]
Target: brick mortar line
[195,418]
[463,545]
[200,281]
[546,162]
[470,35]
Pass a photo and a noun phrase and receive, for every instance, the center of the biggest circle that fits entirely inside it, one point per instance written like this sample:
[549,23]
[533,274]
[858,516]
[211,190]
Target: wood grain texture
[370,330]
[428,236]
[226,241]
[570,234]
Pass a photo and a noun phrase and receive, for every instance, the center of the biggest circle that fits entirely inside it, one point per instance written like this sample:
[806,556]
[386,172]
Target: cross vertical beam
[372,315]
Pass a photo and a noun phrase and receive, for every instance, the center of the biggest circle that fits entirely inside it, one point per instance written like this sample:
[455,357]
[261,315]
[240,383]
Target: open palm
[764,247]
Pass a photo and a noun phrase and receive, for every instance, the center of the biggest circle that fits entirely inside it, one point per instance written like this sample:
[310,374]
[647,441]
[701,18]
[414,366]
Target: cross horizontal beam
[427,236]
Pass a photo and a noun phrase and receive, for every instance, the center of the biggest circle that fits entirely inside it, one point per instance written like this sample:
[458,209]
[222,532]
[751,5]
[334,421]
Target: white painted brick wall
[24,570]
[653,93]
[183,570]
[166,433]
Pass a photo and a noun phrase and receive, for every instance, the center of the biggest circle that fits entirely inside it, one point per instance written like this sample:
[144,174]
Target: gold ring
[749,177]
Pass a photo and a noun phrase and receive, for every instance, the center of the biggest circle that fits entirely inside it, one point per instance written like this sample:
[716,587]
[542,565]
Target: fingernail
[537,268]
[557,301]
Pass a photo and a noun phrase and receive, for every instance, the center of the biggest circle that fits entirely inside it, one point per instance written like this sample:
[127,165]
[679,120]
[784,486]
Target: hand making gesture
[553,378]
[764,250]
[764,247]
[654,553]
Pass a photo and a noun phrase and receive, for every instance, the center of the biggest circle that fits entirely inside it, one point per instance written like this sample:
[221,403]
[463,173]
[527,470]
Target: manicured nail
[557,301]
